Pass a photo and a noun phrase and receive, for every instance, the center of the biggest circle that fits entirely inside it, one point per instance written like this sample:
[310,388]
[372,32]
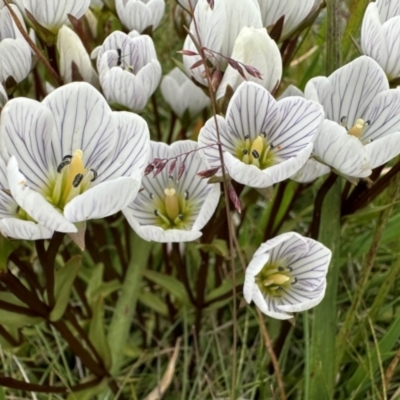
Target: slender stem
[274,210]
[171,127]
[201,286]
[156,117]
[4,305]
[226,196]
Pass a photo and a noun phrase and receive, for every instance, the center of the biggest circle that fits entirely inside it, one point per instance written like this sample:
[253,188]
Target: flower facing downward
[70,158]
[170,209]
[182,94]
[264,141]
[140,14]
[380,35]
[128,68]
[287,274]
[363,127]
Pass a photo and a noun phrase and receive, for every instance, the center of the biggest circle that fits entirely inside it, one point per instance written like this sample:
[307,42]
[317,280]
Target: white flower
[264,141]
[218,29]
[140,14]
[287,274]
[380,35]
[15,53]
[182,94]
[172,210]
[75,63]
[14,222]
[294,11]
[3,96]
[53,14]
[254,48]
[70,158]
[129,70]
[365,132]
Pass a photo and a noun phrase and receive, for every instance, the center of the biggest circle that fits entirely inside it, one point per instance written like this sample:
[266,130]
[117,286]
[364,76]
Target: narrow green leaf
[154,302]
[89,394]
[97,333]
[6,248]
[64,279]
[121,322]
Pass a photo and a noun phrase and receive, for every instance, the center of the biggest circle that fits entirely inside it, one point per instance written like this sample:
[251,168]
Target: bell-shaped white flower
[14,222]
[170,209]
[182,94]
[264,141]
[75,63]
[218,28]
[365,132]
[254,48]
[15,53]
[70,158]
[53,14]
[287,274]
[293,11]
[129,70]
[140,14]
[380,35]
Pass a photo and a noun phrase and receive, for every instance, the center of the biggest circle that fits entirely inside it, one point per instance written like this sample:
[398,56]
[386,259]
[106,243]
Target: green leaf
[97,333]
[107,288]
[154,302]
[64,279]
[169,283]
[225,288]
[217,246]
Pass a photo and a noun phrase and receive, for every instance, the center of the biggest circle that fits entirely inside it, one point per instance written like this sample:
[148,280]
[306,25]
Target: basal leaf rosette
[363,131]
[70,158]
[169,208]
[287,274]
[264,141]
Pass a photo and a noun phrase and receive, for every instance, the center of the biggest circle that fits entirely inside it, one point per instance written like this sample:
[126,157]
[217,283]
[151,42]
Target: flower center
[358,128]
[257,152]
[173,209]
[71,180]
[273,278]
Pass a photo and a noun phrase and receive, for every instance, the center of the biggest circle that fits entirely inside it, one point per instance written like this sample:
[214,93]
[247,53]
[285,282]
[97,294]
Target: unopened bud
[181,170]
[149,169]
[216,80]
[160,166]
[208,173]
[234,198]
[171,167]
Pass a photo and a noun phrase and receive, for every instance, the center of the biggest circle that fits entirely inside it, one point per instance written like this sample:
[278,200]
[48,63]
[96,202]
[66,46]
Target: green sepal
[89,394]
[6,248]
[97,333]
[64,279]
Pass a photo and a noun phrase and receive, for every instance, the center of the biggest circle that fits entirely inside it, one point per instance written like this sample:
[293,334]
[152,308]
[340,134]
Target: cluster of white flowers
[71,158]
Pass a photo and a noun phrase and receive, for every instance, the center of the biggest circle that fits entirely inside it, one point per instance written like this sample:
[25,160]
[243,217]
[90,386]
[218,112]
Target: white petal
[131,151]
[254,48]
[33,203]
[134,14]
[26,128]
[290,91]
[349,90]
[373,41]
[279,242]
[301,300]
[299,121]
[15,59]
[208,208]
[83,120]
[104,199]
[256,265]
[391,32]
[384,149]
[341,151]
[269,305]
[27,230]
[311,170]
[388,9]
[188,61]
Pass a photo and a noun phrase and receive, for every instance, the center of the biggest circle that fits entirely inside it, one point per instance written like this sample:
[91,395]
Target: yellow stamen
[276,279]
[256,148]
[171,204]
[357,129]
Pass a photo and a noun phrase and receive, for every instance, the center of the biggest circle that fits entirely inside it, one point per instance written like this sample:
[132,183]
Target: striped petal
[384,149]
[26,230]
[311,170]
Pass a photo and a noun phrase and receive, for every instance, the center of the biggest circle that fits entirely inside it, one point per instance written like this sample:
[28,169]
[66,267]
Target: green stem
[322,347]
[121,322]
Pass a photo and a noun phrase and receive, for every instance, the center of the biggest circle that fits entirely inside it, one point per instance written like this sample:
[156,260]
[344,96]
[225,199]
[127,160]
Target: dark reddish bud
[197,64]
[234,198]
[161,165]
[181,170]
[157,161]
[253,71]
[172,166]
[149,169]
[235,65]
[216,79]
[208,173]
[188,53]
